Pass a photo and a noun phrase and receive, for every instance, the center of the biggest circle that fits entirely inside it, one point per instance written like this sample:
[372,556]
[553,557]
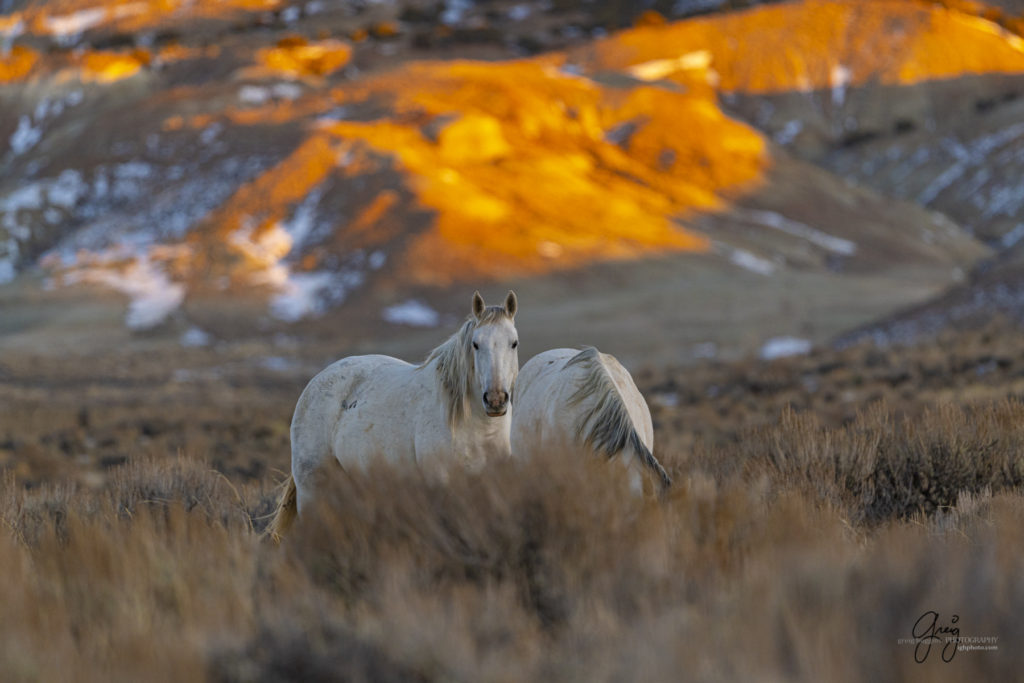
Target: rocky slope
[293,154]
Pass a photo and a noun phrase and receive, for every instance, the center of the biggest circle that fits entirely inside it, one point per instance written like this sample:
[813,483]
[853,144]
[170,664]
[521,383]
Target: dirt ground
[81,394]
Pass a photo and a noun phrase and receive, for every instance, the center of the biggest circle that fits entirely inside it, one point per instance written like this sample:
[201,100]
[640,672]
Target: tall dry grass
[803,552]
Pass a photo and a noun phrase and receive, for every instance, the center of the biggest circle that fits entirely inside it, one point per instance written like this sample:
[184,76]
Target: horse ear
[511,304]
[478,305]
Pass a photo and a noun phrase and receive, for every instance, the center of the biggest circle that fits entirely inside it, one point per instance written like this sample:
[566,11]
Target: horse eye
[476,346]
[515,343]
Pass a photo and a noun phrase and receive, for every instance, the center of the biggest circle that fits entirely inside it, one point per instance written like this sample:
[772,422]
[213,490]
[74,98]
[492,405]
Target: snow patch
[519,12]
[7,272]
[253,94]
[47,196]
[27,197]
[455,11]
[287,91]
[943,181]
[298,296]
[1011,238]
[783,347]
[26,136]
[658,69]
[153,296]
[278,364]
[264,252]
[133,170]
[839,79]
[411,312]
[195,337]
[796,229]
[789,132]
[256,95]
[304,294]
[667,399]
[69,25]
[303,220]
[748,261]
[7,35]
[210,133]
[128,179]
[67,190]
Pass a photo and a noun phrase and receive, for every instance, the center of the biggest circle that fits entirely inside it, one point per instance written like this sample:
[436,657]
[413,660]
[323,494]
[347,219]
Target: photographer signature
[928,631]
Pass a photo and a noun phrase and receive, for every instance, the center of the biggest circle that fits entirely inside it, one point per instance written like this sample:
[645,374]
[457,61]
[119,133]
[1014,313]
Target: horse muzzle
[496,403]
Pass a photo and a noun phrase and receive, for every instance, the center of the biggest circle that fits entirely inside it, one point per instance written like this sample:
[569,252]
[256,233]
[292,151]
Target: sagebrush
[803,552]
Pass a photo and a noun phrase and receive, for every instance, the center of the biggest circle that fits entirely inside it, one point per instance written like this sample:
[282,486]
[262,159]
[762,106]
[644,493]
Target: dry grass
[72,418]
[716,403]
[802,552]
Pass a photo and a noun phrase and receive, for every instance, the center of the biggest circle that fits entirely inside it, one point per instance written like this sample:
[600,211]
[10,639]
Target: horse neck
[478,435]
[457,397]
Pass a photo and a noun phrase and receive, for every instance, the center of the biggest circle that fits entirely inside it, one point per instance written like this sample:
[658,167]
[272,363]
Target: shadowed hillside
[278,163]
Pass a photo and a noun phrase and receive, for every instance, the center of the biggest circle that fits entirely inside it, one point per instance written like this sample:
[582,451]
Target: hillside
[244,156]
[917,101]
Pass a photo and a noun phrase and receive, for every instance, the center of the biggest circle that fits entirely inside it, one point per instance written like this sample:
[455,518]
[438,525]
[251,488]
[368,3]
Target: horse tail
[287,510]
[648,459]
[611,429]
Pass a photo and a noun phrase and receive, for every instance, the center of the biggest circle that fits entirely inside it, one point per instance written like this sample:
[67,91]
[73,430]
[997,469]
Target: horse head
[495,353]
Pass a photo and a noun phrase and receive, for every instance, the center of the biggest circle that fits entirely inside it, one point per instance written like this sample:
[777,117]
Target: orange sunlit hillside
[450,170]
[801,46]
[247,226]
[17,64]
[96,66]
[69,17]
[107,67]
[93,66]
[529,168]
[525,169]
[297,57]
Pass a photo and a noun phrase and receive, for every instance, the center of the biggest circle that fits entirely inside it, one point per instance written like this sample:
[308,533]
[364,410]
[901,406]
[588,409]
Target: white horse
[452,407]
[582,403]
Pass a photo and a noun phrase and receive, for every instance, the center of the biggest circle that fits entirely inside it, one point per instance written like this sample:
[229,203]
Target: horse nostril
[496,399]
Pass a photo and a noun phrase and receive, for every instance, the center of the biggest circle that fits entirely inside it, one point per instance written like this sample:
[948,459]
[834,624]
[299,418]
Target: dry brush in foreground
[802,553]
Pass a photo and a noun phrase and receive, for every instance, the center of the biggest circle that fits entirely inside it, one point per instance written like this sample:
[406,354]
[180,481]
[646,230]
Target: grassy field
[823,507]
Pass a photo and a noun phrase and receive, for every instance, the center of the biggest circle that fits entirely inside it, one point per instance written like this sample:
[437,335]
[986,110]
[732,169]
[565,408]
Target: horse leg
[310,458]
[310,449]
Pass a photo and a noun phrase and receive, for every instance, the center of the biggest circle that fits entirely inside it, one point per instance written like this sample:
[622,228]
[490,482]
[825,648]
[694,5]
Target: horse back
[355,409]
[541,420]
[550,404]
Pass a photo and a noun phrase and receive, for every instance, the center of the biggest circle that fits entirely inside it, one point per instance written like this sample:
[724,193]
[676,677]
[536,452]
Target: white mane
[610,427]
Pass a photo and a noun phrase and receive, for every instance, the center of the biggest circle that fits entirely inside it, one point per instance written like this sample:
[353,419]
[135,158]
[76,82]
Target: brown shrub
[878,468]
[802,553]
